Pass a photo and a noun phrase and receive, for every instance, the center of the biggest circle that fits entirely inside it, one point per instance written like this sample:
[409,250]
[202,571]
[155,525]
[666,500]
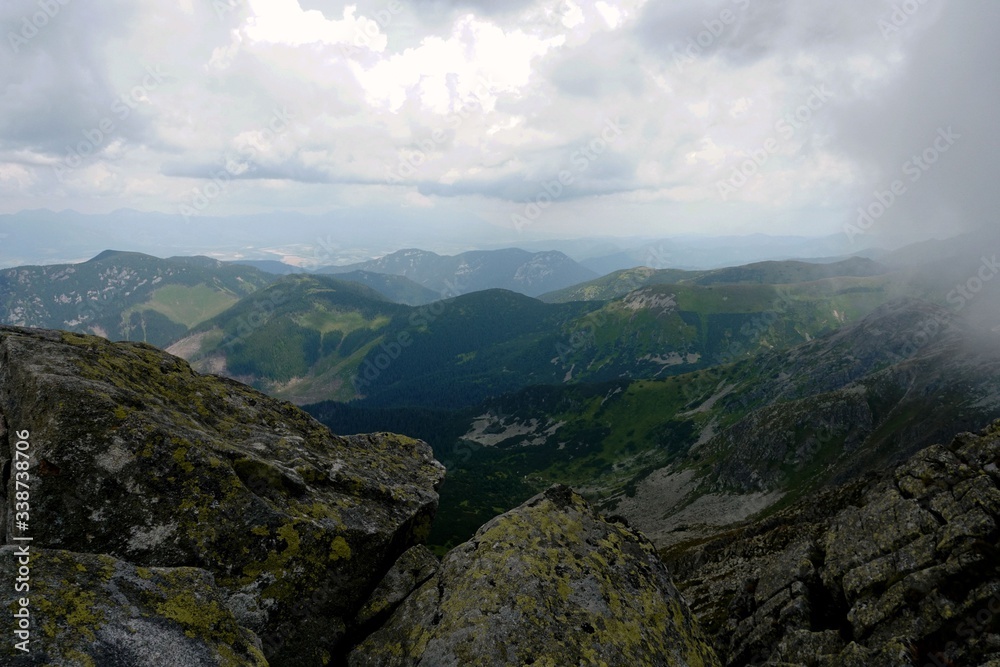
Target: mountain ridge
[451,275]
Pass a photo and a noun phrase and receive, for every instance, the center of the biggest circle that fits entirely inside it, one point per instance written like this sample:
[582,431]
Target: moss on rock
[548,583]
[89,610]
[153,463]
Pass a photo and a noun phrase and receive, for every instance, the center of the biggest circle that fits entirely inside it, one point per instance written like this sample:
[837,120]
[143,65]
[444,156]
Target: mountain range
[354,344]
[125,295]
[512,269]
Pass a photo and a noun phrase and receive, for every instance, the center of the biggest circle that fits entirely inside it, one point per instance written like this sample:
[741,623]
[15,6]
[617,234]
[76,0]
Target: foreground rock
[898,571]
[549,583]
[97,610]
[135,456]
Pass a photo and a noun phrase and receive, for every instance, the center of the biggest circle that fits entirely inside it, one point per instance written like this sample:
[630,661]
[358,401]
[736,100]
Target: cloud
[949,81]
[471,103]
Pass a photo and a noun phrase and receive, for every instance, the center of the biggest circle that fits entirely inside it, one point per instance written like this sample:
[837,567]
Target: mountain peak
[108,254]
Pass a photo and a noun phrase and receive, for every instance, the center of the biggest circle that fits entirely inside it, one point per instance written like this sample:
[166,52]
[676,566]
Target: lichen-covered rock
[895,570]
[412,569]
[137,456]
[86,610]
[548,583]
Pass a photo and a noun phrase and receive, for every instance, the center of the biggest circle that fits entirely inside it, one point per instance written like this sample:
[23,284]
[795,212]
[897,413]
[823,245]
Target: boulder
[136,456]
[548,583]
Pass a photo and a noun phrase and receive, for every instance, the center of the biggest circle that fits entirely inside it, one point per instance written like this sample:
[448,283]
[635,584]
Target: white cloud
[611,14]
[488,103]
[285,22]
[476,64]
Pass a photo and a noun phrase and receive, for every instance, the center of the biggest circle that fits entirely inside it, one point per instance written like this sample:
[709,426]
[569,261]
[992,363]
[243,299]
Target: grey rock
[88,610]
[548,583]
[894,569]
[136,456]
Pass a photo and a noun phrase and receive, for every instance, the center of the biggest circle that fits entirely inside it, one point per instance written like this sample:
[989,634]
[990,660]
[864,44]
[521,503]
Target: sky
[567,118]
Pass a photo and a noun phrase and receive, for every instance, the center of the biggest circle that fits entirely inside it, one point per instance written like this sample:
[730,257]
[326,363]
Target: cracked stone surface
[891,570]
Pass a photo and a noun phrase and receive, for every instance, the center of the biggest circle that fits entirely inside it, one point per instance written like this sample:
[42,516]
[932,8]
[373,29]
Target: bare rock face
[135,456]
[90,610]
[548,583]
[895,571]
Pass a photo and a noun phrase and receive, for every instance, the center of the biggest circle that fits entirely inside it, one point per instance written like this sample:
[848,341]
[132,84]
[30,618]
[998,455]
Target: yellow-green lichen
[180,457]
[340,549]
[198,618]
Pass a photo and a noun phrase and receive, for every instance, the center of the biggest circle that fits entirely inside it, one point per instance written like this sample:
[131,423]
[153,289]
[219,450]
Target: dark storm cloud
[289,170]
[950,87]
[744,31]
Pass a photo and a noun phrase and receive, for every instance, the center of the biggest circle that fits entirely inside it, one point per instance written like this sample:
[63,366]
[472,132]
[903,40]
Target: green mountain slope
[680,455]
[125,295]
[510,268]
[461,351]
[398,289]
[619,283]
[303,335]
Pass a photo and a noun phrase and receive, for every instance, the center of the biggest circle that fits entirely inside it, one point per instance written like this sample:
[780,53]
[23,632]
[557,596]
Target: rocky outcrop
[87,609]
[285,528]
[781,426]
[890,571]
[548,583]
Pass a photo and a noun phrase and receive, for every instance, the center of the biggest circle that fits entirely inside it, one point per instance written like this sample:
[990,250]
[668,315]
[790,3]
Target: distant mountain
[512,269]
[712,252]
[397,289]
[302,335]
[311,337]
[125,295]
[270,266]
[460,351]
[619,283]
[333,237]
